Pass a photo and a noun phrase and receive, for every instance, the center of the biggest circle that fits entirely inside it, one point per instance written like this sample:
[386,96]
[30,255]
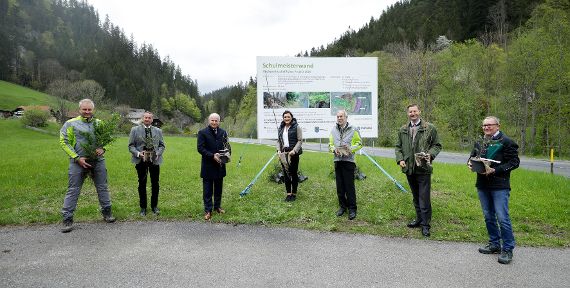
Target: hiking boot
[351,214]
[108,215]
[506,257]
[340,211]
[67,226]
[490,249]
[415,224]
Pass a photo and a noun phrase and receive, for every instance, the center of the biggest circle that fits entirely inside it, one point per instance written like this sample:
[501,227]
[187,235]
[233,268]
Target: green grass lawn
[33,182]
[12,96]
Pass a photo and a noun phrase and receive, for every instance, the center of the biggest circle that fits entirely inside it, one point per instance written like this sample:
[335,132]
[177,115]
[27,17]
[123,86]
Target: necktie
[414,130]
[147,132]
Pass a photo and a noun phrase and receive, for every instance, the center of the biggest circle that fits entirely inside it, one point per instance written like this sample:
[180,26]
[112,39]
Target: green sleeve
[356,143]
[435,146]
[67,140]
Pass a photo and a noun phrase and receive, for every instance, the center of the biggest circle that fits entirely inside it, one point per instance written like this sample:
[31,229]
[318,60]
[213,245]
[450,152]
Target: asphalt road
[560,167]
[196,254]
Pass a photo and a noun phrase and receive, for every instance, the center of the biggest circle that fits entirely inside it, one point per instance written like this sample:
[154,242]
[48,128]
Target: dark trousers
[421,187]
[344,172]
[143,169]
[292,176]
[212,186]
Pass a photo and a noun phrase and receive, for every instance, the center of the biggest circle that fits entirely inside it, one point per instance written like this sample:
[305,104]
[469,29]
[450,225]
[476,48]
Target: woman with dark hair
[289,140]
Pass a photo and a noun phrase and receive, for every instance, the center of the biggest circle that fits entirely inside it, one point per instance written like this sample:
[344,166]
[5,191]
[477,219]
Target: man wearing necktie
[417,146]
[146,145]
[211,141]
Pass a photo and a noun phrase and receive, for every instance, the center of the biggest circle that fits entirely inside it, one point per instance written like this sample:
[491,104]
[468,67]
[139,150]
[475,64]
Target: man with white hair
[212,143]
[344,140]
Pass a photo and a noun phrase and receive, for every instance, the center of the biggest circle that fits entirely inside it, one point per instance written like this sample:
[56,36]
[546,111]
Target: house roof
[37,107]
[135,114]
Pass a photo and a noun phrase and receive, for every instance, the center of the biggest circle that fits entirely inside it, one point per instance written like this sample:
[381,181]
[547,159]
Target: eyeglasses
[488,125]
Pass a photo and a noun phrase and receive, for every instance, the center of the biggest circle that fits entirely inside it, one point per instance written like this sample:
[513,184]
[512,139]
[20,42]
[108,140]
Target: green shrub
[103,135]
[124,126]
[35,118]
[193,130]
[169,128]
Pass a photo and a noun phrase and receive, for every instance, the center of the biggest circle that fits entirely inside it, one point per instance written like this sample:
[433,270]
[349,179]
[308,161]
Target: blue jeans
[495,205]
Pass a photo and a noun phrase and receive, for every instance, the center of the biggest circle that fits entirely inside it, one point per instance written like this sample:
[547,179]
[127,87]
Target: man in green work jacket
[74,139]
[417,146]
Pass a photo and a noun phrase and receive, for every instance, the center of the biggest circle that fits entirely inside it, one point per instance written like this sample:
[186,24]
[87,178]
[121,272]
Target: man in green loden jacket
[74,141]
[417,146]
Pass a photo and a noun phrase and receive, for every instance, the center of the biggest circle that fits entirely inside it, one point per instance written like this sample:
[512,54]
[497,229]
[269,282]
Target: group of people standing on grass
[417,146]
[146,145]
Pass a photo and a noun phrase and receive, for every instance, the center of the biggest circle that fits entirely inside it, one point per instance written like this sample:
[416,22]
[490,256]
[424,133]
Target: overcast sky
[216,41]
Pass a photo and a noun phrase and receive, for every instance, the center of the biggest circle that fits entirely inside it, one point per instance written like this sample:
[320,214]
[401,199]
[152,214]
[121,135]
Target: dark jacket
[426,141]
[506,151]
[209,144]
[294,135]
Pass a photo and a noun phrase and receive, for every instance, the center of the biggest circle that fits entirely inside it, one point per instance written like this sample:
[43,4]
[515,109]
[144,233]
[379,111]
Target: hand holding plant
[103,135]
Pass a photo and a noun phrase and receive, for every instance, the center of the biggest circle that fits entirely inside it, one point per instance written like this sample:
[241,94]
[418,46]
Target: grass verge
[33,182]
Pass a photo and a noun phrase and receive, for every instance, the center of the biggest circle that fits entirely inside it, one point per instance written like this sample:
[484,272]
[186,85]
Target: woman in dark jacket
[289,139]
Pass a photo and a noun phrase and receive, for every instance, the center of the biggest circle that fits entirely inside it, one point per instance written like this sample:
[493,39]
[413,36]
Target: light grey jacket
[345,136]
[136,143]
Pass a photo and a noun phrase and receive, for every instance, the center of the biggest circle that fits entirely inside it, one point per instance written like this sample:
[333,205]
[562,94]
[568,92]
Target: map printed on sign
[314,89]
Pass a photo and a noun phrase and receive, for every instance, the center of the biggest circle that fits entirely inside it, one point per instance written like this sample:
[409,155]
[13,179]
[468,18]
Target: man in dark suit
[146,146]
[212,142]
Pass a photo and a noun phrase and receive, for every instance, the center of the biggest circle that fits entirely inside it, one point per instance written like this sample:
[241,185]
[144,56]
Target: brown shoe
[220,210]
[208,216]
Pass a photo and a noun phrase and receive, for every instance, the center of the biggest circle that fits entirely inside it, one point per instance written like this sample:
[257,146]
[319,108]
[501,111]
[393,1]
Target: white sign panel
[314,89]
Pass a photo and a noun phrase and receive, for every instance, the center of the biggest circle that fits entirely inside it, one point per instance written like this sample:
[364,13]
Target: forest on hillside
[64,48]
[460,60]
[519,73]
[410,21]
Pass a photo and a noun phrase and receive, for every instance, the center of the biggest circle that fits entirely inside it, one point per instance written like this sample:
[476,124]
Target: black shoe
[340,211]
[506,257]
[351,214]
[143,212]
[67,226]
[293,197]
[425,231]
[288,198]
[414,224]
[490,249]
[108,215]
[155,211]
